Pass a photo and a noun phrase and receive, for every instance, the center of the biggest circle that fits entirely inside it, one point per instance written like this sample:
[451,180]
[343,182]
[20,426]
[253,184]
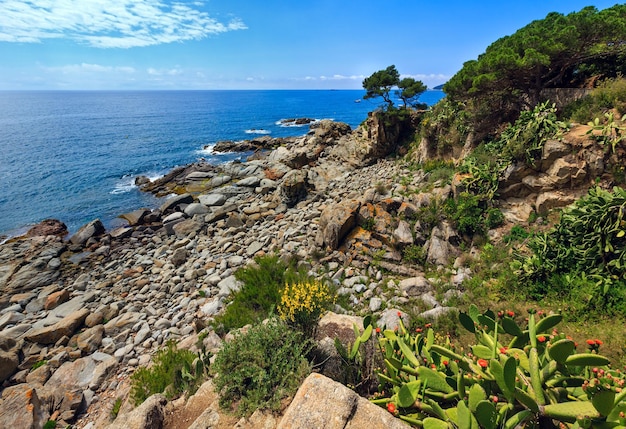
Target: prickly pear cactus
[515,377]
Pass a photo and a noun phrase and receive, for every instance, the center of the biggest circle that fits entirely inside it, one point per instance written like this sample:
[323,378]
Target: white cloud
[89,68]
[108,23]
[428,77]
[165,72]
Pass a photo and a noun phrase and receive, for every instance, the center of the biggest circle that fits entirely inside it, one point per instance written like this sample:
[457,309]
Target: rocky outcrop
[323,403]
[150,414]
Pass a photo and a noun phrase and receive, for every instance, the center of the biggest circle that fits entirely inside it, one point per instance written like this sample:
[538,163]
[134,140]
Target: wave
[127,183]
[258,131]
[297,123]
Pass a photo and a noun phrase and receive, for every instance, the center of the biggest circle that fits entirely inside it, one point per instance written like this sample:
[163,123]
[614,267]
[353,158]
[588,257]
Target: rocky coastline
[78,316]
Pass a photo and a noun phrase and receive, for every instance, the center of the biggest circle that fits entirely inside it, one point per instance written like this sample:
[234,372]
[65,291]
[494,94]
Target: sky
[249,44]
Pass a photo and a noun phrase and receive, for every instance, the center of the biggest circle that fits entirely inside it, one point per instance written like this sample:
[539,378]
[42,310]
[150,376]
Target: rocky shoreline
[78,316]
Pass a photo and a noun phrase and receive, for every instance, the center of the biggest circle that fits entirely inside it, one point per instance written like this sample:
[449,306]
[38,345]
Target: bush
[260,293]
[261,367]
[610,94]
[173,372]
[466,213]
[588,243]
[302,303]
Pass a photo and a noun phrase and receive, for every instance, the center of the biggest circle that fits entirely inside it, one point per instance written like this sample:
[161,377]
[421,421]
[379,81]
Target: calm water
[74,155]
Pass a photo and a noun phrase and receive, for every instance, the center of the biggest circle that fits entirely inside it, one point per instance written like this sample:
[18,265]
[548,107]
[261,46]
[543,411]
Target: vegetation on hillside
[557,51]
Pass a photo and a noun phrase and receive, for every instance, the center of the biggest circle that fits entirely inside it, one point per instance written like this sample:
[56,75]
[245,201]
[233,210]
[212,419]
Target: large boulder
[294,187]
[21,408]
[336,221]
[150,414]
[323,403]
[64,327]
[48,227]
[92,229]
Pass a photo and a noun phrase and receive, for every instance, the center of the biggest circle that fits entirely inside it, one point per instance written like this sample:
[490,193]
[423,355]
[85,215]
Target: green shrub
[260,367]
[494,218]
[588,243]
[466,213]
[517,374]
[517,233]
[173,372]
[260,292]
[610,94]
[414,254]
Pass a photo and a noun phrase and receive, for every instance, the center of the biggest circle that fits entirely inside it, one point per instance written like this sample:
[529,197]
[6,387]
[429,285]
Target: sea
[74,155]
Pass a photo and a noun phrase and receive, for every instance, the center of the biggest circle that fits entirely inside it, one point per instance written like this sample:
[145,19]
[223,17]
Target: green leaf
[464,416]
[408,353]
[467,322]
[407,395]
[434,380]
[476,395]
[570,411]
[367,333]
[433,423]
[367,321]
[603,402]
[561,350]
[586,359]
[481,351]
[486,415]
[487,321]
[526,400]
[510,327]
[547,323]
[473,312]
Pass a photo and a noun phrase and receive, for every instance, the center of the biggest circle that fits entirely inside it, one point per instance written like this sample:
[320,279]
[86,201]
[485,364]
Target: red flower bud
[391,407]
[378,330]
[510,313]
[483,363]
[541,339]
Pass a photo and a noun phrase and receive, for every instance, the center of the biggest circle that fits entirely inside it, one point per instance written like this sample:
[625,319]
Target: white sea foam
[290,124]
[127,183]
[258,131]
[206,150]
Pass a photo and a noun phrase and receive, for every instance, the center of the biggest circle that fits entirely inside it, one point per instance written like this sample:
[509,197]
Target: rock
[81,374]
[89,340]
[53,333]
[9,361]
[196,208]
[175,201]
[212,199]
[10,318]
[389,319]
[92,229]
[179,257]
[48,227]
[550,200]
[336,221]
[150,414]
[21,408]
[56,298]
[186,227]
[435,313]
[438,249]
[250,182]
[294,187]
[323,403]
[415,286]
[228,285]
[402,235]
[136,217]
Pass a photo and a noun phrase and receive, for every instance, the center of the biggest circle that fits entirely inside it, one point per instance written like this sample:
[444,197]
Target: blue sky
[249,44]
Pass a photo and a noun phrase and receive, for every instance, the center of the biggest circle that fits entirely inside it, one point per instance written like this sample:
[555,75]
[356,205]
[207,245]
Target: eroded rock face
[21,408]
[92,229]
[323,403]
[150,414]
[48,227]
[336,221]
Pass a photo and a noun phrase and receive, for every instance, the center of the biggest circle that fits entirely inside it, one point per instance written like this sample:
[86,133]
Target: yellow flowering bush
[302,303]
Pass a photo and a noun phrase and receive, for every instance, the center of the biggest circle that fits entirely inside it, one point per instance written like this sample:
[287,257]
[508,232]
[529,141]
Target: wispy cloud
[108,23]
[89,68]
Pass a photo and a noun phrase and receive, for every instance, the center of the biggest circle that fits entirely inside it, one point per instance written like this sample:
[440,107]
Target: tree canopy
[381,82]
[558,51]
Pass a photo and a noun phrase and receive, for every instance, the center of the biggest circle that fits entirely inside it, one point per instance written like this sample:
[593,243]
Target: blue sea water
[74,155]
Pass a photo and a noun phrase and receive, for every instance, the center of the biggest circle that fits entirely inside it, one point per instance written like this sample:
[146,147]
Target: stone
[375,304]
[228,285]
[56,298]
[186,227]
[293,188]
[336,221]
[171,203]
[89,340]
[437,250]
[212,199]
[135,217]
[389,319]
[21,408]
[323,403]
[150,414]
[179,257]
[550,200]
[10,318]
[250,182]
[53,333]
[92,229]
[196,208]
[48,227]
[402,235]
[9,361]
[415,286]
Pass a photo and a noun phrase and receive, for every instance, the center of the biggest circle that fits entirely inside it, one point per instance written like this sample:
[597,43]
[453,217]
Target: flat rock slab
[65,327]
[324,403]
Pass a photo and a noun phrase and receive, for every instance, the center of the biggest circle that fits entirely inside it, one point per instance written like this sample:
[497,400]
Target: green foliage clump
[515,375]
[588,243]
[609,132]
[609,94]
[261,367]
[414,254]
[558,51]
[445,125]
[466,213]
[381,82]
[260,293]
[524,140]
[173,372]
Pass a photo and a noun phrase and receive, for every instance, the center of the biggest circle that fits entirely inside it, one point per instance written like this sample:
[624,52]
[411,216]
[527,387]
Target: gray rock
[10,318]
[150,414]
[375,304]
[196,209]
[390,318]
[171,203]
[250,182]
[21,408]
[89,340]
[402,234]
[92,229]
[212,199]
[227,286]
[53,333]
[294,187]
[415,286]
[9,361]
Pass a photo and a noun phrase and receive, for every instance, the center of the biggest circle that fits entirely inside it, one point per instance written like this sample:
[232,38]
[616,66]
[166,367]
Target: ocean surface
[74,155]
